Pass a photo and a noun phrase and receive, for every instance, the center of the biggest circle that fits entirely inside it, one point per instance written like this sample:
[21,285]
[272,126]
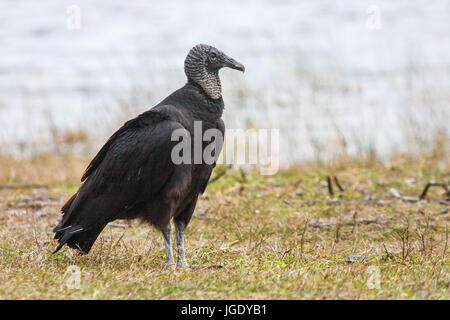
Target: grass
[277,237]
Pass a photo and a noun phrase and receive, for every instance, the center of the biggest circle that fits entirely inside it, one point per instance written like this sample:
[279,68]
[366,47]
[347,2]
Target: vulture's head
[202,66]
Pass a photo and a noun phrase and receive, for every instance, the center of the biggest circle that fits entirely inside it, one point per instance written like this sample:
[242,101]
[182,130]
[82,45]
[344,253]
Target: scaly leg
[181,258]
[168,246]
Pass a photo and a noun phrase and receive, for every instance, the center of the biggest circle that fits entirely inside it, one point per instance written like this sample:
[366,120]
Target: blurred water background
[359,77]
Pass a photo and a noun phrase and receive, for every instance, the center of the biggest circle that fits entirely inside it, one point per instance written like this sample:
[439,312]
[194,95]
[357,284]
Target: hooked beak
[233,64]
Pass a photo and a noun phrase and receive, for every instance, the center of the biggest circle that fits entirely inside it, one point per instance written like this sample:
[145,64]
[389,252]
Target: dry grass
[280,237]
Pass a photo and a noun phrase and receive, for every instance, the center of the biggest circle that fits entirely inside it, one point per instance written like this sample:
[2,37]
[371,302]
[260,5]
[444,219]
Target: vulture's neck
[208,81]
[208,107]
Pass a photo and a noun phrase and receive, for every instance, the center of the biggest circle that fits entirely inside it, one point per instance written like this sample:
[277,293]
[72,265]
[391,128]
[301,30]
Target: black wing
[145,119]
[133,165]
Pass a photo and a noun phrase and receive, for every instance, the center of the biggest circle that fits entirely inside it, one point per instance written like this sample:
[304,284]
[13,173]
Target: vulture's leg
[180,226]
[168,245]
[181,221]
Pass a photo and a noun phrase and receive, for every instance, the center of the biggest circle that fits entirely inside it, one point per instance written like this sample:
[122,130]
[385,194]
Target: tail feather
[77,238]
[83,220]
[64,235]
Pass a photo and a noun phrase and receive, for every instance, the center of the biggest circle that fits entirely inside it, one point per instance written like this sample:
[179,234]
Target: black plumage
[133,175]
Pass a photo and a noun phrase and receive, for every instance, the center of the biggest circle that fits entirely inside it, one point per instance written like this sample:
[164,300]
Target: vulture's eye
[213,56]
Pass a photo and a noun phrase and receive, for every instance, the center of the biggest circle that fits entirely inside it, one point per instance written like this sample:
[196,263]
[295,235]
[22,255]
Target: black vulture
[134,176]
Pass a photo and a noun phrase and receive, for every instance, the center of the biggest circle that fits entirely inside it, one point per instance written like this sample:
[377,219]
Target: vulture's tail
[81,224]
[77,237]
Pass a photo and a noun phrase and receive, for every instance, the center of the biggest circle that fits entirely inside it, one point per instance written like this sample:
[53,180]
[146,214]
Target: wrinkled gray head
[202,66]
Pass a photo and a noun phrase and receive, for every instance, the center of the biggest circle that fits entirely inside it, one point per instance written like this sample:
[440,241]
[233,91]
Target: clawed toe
[182,265]
[170,265]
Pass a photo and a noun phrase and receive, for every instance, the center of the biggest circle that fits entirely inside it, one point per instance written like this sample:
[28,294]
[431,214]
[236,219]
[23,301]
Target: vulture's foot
[182,264]
[170,265]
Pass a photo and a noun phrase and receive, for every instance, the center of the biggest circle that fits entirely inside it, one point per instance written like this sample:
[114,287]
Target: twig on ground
[302,239]
[404,238]
[354,221]
[338,229]
[434,184]
[330,180]
[330,186]
[336,181]
[388,254]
